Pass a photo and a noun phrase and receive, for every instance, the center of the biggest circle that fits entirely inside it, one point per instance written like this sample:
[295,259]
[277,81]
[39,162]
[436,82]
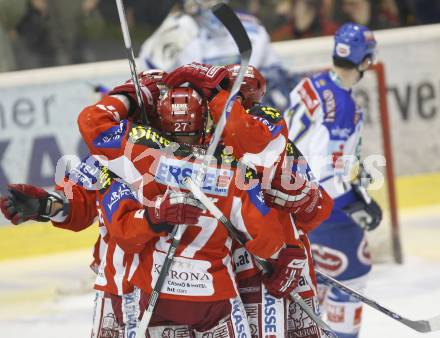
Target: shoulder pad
[269,113]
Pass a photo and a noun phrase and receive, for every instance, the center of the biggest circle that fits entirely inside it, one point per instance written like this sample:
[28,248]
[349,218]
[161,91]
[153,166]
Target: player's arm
[294,190]
[25,202]
[258,134]
[258,223]
[132,225]
[105,125]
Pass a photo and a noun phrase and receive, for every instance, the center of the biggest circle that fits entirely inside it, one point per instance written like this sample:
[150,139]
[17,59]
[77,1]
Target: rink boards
[38,111]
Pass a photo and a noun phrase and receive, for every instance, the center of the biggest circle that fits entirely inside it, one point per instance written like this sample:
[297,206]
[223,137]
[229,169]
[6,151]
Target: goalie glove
[287,271]
[171,209]
[207,79]
[25,202]
[365,211]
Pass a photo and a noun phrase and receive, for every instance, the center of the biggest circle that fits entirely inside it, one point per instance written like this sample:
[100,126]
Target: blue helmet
[354,42]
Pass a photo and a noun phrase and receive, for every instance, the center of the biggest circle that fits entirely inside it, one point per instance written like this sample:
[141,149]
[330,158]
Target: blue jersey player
[325,124]
[193,33]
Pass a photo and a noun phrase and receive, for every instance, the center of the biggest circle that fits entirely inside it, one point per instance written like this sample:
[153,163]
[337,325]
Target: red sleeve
[323,212]
[104,128]
[244,132]
[129,228]
[261,225]
[82,210]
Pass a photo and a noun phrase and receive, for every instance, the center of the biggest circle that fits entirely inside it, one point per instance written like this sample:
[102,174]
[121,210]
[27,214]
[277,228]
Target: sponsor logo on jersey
[333,262]
[238,319]
[187,277]
[274,129]
[242,260]
[340,133]
[330,106]
[147,136]
[112,137]
[257,199]
[171,172]
[309,96]
[273,315]
[85,173]
[117,193]
[105,178]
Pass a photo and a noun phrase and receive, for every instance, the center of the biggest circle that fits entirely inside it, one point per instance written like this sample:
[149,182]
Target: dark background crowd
[42,33]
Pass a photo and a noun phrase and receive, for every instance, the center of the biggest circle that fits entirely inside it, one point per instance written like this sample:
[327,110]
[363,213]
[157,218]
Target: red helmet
[183,112]
[253,87]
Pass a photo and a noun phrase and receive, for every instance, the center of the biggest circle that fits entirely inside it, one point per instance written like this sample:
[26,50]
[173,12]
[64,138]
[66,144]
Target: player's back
[203,270]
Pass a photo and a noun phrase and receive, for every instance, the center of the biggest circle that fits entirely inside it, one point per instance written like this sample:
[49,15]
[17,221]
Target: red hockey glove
[286,272]
[26,202]
[205,78]
[150,94]
[293,193]
[174,208]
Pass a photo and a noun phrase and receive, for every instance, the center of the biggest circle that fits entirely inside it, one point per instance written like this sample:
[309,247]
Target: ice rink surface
[50,297]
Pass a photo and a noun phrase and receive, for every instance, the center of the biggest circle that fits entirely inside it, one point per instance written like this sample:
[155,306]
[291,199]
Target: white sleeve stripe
[124,99]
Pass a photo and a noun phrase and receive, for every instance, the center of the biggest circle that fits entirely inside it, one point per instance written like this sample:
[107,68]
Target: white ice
[50,296]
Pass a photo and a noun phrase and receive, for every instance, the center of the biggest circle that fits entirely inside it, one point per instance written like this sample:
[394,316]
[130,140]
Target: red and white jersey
[94,192]
[259,139]
[153,164]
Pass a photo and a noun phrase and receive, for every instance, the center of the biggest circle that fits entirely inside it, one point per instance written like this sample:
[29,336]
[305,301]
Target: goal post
[371,95]
[390,181]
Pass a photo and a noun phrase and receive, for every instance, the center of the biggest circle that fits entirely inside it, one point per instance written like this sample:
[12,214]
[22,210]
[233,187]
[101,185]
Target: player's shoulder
[267,112]
[177,21]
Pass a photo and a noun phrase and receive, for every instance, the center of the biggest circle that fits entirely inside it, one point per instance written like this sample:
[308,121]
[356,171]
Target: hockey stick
[423,326]
[265,265]
[130,56]
[231,22]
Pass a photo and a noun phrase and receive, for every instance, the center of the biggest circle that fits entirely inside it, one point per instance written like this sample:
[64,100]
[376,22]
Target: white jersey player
[325,124]
[195,34]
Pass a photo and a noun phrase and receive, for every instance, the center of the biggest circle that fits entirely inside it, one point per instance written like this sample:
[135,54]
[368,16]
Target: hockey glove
[293,193]
[26,202]
[286,271]
[207,79]
[150,95]
[174,208]
[365,211]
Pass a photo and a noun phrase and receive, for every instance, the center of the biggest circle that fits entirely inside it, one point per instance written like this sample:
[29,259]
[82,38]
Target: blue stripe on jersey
[112,198]
[257,199]
[112,137]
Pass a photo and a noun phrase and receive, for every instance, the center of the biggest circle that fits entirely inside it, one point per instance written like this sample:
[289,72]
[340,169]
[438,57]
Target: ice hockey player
[193,33]
[258,135]
[91,191]
[100,129]
[325,124]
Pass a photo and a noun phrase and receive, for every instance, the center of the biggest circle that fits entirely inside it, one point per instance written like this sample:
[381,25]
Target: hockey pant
[342,252]
[118,317]
[276,317]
